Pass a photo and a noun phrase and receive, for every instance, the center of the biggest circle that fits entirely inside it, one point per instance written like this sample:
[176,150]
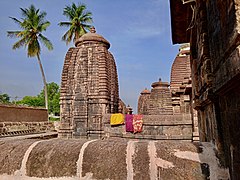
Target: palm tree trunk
[44,81]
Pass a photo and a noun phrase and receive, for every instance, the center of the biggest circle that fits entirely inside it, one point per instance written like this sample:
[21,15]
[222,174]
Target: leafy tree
[78,25]
[32,25]
[53,99]
[54,104]
[4,98]
[31,101]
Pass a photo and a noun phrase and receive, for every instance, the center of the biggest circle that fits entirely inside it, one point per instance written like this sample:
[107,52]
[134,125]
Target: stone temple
[173,101]
[162,100]
[89,86]
[89,95]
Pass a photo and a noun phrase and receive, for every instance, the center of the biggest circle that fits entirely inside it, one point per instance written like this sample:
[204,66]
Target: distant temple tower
[89,87]
[143,102]
[181,82]
[156,102]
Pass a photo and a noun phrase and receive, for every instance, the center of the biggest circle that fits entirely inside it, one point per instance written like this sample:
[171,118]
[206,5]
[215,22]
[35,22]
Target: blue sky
[139,32]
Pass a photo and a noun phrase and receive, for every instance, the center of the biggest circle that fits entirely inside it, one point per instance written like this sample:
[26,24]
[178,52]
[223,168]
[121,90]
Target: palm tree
[32,25]
[78,22]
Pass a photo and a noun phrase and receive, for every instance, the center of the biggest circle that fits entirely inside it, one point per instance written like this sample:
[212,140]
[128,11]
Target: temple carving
[89,87]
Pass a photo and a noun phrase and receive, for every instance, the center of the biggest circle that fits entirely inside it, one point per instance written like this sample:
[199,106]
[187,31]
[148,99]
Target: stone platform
[114,158]
[155,127]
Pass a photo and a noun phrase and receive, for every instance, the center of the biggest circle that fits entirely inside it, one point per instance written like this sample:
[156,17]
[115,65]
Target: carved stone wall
[216,76]
[177,99]
[180,85]
[89,87]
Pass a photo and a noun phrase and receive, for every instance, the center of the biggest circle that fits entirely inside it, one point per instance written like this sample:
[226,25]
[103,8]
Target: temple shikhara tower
[171,104]
[89,87]
[156,102]
[162,100]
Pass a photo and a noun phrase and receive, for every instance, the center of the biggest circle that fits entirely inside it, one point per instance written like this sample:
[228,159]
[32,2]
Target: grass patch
[54,119]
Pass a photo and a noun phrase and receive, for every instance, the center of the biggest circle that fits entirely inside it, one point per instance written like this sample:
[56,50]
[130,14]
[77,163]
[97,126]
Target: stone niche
[89,87]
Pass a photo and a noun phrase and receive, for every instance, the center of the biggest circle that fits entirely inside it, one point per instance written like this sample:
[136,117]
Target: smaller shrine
[172,102]
[158,101]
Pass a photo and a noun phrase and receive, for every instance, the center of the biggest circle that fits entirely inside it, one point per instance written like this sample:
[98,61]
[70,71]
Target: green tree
[32,25]
[79,19]
[31,101]
[53,99]
[4,98]
[55,104]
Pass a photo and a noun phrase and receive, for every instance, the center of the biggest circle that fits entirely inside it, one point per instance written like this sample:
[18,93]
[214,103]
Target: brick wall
[22,114]
[15,120]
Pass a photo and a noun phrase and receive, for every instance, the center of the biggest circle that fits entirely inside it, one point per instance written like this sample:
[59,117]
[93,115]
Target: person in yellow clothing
[116,119]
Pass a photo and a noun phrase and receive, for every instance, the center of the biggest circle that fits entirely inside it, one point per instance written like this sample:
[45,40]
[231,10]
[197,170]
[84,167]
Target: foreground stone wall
[60,159]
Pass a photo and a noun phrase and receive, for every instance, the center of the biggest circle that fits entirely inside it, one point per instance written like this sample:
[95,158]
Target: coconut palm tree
[79,19]
[32,25]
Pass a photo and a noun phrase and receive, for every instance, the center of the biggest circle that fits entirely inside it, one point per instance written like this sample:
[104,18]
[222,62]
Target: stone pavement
[114,158]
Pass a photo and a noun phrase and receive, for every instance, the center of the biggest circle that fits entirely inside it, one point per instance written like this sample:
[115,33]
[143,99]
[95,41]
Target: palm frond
[24,12]
[43,26]
[68,12]
[46,42]
[16,20]
[67,24]
[13,34]
[80,10]
[87,26]
[19,43]
[64,37]
[86,15]
[67,37]
[78,24]
[42,15]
